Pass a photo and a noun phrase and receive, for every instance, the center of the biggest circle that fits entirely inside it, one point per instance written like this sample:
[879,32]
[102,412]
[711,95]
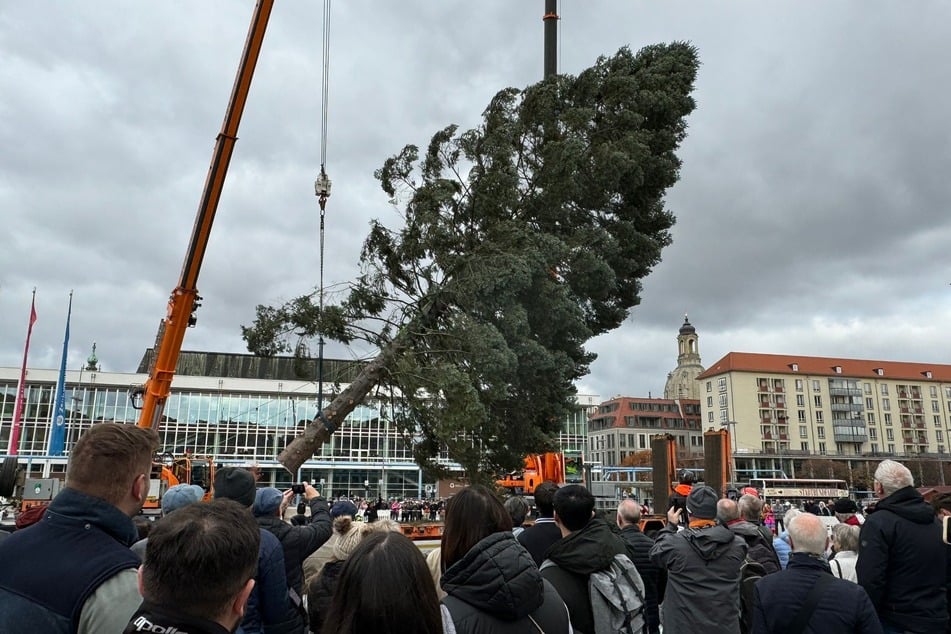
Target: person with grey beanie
[703,568]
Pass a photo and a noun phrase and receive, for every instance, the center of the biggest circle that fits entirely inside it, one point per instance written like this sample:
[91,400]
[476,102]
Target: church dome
[687,328]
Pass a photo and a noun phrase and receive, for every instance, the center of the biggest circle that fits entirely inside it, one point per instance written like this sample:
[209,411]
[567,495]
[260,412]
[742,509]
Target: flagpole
[21,386]
[58,428]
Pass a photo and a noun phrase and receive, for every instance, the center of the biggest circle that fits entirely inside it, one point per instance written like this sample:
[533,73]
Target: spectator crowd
[245,562]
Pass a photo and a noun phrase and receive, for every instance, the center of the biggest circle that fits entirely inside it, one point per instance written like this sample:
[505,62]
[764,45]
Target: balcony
[849,437]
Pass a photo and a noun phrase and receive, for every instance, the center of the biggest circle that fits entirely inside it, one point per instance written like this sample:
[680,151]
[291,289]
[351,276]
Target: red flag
[21,387]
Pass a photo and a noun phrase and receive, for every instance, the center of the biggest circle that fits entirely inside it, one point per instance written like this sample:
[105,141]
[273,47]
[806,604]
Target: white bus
[774,489]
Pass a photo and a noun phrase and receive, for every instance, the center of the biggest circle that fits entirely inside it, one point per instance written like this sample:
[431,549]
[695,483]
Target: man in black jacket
[544,532]
[901,553]
[638,549]
[587,546]
[841,606]
[298,542]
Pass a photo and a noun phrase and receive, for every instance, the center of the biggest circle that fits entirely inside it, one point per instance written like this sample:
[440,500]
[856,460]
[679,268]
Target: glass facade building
[241,410]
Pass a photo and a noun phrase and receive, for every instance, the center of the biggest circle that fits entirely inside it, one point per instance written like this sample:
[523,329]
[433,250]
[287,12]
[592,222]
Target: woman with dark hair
[491,581]
[385,587]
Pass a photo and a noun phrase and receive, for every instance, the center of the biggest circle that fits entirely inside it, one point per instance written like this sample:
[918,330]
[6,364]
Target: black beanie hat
[234,483]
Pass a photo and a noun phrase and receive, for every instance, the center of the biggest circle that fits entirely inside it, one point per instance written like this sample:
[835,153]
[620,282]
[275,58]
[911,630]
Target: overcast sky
[813,204]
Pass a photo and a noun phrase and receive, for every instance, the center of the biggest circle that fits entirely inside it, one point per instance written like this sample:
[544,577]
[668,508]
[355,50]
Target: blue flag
[58,432]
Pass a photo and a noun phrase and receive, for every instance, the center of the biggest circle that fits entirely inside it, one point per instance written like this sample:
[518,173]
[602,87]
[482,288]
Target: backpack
[617,597]
[751,571]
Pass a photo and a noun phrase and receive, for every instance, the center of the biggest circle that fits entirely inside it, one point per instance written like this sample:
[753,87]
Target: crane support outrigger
[184,300]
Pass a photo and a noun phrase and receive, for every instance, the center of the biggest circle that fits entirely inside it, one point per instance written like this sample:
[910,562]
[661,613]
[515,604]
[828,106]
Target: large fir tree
[521,240]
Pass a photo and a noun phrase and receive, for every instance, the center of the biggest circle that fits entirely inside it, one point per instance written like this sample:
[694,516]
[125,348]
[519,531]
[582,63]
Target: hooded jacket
[575,557]
[496,588]
[703,578]
[900,545]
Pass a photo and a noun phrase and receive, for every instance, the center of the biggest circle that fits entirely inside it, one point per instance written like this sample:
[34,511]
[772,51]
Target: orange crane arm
[184,300]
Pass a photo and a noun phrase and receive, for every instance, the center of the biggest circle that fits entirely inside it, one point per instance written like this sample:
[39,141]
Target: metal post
[551,37]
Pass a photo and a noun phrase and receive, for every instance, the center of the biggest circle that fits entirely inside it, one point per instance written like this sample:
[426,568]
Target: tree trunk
[317,433]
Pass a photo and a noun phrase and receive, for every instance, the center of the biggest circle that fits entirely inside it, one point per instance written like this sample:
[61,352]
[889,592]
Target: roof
[249,366]
[826,366]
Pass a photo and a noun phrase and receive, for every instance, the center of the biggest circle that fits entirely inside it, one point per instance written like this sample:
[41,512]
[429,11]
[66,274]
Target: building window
[709,386]
[800,400]
[709,401]
[723,416]
[817,400]
[869,404]
[820,432]
[804,446]
[868,388]
[939,435]
[710,416]
[886,404]
[933,391]
[803,431]
[889,434]
[935,407]
[822,447]
[884,389]
[721,384]
[891,447]
[888,419]
[871,418]
[799,385]
[872,433]
[947,392]
[874,447]
[802,416]
[723,400]
[816,386]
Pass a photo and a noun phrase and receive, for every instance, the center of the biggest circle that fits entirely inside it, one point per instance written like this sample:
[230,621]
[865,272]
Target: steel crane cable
[322,190]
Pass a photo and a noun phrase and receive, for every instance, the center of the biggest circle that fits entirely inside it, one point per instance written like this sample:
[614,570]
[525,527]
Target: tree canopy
[520,240]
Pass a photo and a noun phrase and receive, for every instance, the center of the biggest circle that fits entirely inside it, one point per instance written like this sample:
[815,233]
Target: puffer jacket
[496,588]
[897,565]
[299,542]
[576,557]
[782,548]
[268,603]
[638,549]
[703,577]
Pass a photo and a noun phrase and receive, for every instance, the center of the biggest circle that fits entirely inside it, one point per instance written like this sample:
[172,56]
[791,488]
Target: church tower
[682,382]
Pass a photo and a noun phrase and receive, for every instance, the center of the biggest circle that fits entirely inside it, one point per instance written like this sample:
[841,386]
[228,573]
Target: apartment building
[786,407]
[623,426]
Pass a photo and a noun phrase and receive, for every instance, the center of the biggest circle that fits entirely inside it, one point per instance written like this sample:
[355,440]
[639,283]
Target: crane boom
[184,300]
